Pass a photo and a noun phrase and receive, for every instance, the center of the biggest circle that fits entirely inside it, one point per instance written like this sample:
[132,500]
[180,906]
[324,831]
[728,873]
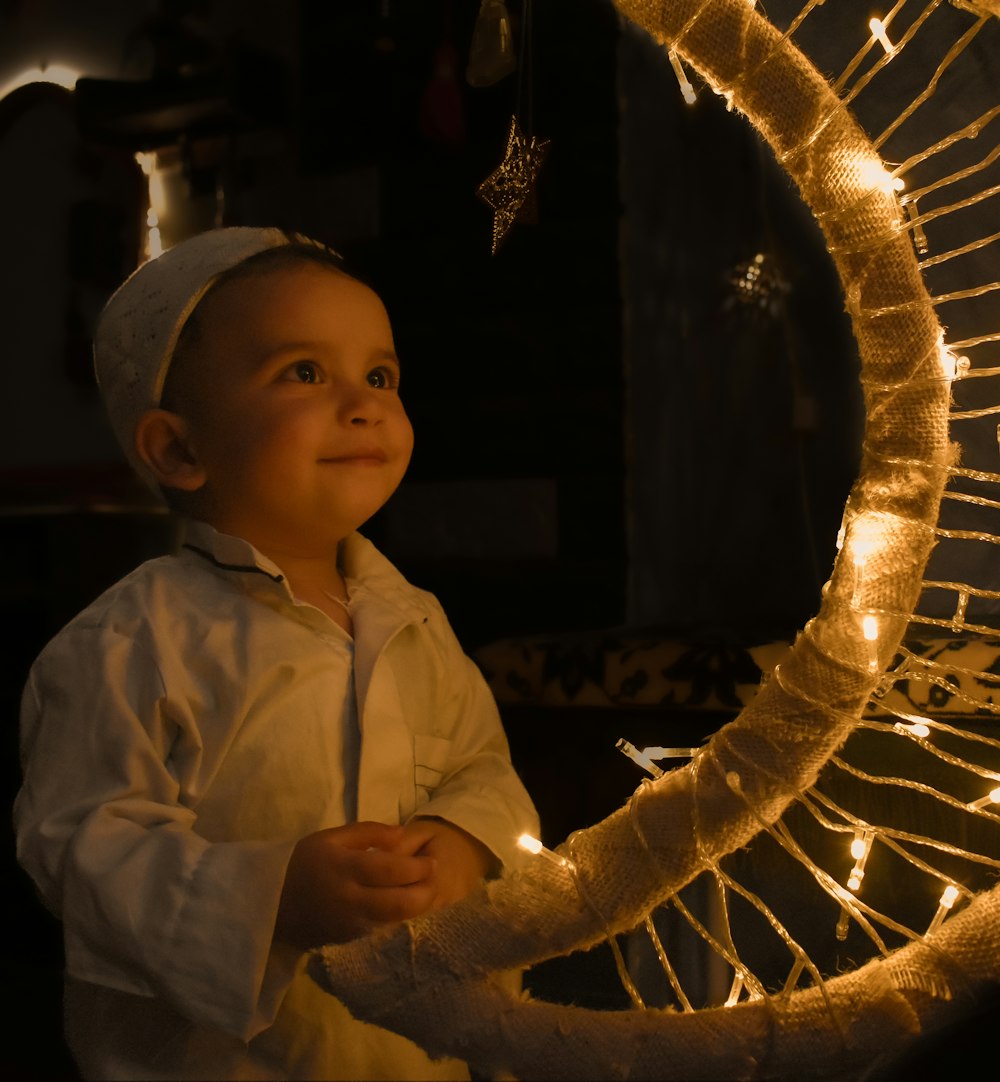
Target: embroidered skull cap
[138,329]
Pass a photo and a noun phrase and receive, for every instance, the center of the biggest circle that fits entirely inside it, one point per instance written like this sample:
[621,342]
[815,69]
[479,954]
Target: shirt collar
[368,571]
[228,553]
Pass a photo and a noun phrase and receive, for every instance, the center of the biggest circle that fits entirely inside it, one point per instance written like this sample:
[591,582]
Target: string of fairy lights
[841,813]
[865,533]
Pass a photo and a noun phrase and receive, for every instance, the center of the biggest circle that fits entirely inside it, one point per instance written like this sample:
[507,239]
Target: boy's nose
[361,406]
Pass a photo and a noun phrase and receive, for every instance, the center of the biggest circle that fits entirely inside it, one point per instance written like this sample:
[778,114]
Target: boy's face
[292,403]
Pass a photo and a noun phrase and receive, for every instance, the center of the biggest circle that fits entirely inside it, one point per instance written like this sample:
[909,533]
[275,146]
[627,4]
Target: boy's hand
[344,882]
[461,862]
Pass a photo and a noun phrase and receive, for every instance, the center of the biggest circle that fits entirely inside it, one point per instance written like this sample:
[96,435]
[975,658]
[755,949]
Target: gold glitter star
[510,188]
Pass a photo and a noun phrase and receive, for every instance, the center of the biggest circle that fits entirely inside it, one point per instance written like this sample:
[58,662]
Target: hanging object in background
[442,115]
[491,56]
[510,188]
[758,288]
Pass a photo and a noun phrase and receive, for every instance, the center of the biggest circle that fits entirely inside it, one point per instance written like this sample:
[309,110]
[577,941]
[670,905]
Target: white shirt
[178,737]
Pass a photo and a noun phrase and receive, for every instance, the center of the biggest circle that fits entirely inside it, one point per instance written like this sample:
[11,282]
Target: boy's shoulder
[151,598]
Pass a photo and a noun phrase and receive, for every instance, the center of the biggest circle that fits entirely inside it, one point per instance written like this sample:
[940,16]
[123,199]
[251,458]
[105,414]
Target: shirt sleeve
[479,789]
[148,906]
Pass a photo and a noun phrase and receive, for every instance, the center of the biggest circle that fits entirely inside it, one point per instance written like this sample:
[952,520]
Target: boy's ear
[162,442]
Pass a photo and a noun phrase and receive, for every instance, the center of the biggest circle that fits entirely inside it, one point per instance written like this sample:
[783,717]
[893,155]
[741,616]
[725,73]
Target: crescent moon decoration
[833,853]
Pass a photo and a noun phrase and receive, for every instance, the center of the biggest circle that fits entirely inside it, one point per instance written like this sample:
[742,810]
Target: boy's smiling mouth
[361,456]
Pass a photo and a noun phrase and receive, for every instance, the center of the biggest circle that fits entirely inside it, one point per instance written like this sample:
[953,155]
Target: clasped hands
[344,882]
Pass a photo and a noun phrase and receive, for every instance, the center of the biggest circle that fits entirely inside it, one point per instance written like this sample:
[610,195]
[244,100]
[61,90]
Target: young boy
[269,740]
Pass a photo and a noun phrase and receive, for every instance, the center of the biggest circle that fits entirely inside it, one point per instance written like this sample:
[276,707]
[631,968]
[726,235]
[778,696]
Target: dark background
[609,432]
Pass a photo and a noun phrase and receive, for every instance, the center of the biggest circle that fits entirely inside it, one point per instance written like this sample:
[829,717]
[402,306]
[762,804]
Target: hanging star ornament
[510,188]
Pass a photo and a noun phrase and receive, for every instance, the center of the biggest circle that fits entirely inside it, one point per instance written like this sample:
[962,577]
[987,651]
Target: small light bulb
[640,757]
[861,845]
[952,367]
[873,174]
[687,90]
[992,797]
[535,847]
[913,728]
[877,28]
[532,845]
[947,900]
[869,625]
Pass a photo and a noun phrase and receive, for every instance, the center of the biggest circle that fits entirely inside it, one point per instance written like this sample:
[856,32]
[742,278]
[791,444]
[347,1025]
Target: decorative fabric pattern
[945,676]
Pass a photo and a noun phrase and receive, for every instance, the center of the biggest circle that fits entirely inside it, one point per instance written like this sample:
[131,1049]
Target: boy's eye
[304,372]
[383,378]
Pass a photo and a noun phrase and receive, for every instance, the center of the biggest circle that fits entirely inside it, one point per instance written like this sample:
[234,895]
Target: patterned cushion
[623,669]
[943,677]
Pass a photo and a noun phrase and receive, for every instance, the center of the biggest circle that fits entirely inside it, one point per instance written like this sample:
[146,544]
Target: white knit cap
[137,331]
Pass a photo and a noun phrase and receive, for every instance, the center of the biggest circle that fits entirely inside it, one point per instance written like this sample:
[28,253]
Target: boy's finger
[367,835]
[389,905]
[376,868]
[415,836]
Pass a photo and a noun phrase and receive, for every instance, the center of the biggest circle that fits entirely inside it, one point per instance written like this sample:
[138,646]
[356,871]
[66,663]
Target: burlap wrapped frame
[431,979]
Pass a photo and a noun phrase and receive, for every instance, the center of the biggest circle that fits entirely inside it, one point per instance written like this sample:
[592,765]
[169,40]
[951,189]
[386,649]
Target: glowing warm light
[157,195]
[535,847]
[526,841]
[58,74]
[948,897]
[867,535]
[861,846]
[873,174]
[877,28]
[869,625]
[953,367]
[992,797]
[913,728]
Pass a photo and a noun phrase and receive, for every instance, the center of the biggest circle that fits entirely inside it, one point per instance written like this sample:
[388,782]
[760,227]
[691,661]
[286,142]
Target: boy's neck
[311,566]
[315,579]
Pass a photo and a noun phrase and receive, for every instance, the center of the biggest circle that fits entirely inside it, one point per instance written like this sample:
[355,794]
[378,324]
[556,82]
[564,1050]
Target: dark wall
[512,361]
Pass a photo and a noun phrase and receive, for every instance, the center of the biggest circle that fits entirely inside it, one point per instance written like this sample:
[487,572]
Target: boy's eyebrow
[315,347]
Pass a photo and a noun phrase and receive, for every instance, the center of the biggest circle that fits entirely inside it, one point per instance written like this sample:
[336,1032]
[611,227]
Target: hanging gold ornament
[758,287]
[510,188]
